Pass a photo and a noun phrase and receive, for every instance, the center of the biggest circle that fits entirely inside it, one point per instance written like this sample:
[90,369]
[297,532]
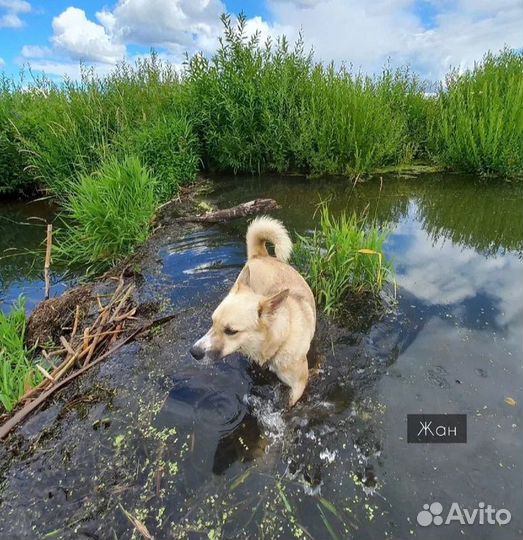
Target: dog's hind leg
[295,376]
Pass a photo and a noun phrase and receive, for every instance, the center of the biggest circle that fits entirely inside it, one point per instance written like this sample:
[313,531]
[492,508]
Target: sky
[54,36]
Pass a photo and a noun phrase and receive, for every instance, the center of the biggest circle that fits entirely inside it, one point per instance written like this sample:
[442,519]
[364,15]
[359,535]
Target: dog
[269,314]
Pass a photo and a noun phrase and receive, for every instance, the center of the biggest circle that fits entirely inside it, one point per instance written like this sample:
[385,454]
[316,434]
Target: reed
[269,108]
[258,107]
[479,122]
[344,255]
[17,371]
[107,214]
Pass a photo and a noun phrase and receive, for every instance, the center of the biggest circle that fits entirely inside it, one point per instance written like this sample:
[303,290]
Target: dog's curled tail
[266,229]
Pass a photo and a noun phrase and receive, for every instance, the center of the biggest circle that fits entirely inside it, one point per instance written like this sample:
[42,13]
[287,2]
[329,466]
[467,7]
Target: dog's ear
[270,305]
[243,278]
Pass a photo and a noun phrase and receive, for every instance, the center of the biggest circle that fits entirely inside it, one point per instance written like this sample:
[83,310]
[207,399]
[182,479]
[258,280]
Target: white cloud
[179,25]
[358,32]
[367,34]
[2,62]
[466,274]
[35,51]
[81,39]
[16,6]
[265,30]
[173,26]
[12,8]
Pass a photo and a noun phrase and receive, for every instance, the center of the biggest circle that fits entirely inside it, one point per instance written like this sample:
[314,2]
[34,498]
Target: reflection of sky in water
[439,272]
[464,358]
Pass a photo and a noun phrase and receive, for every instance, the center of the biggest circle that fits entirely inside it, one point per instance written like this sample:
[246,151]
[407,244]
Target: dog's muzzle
[197,352]
[203,348]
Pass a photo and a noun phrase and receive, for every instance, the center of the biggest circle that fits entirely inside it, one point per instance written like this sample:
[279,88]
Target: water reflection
[486,217]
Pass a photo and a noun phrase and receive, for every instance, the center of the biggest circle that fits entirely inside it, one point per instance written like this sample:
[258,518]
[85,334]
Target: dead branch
[256,206]
[22,413]
[47,263]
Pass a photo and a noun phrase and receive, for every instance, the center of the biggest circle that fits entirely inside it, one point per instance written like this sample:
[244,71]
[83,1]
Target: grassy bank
[256,108]
[478,122]
[107,214]
[251,108]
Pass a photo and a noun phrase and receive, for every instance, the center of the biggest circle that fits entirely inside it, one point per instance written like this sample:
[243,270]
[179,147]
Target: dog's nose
[197,353]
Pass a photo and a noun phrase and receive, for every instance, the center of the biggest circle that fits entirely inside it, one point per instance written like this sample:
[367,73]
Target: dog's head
[240,322]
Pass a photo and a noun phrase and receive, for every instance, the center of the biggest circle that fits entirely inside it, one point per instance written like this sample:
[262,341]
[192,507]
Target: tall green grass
[169,148]
[107,214]
[17,371]
[58,132]
[258,107]
[479,121]
[344,255]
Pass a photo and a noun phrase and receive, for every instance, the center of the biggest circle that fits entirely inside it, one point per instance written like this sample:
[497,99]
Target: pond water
[22,249]
[338,465]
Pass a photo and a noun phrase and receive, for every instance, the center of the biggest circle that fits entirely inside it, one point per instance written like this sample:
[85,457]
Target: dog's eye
[230,331]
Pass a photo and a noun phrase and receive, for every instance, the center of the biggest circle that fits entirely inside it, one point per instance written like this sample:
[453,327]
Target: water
[22,249]
[338,465]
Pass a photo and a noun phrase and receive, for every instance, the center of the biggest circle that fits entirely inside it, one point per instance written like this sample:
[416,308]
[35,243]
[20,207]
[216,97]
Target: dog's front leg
[294,374]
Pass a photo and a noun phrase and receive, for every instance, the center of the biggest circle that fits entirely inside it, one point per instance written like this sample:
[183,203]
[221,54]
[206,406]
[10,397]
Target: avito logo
[432,514]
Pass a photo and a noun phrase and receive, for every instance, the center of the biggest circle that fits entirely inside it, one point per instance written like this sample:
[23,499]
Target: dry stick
[67,346]
[59,371]
[242,210]
[76,320]
[47,264]
[85,338]
[44,372]
[31,406]
[118,330]
[129,315]
[57,352]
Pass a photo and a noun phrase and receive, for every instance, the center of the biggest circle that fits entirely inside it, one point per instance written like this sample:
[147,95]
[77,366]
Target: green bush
[352,124]
[62,131]
[479,124]
[14,178]
[269,108]
[345,255]
[108,213]
[169,148]
[17,371]
[245,102]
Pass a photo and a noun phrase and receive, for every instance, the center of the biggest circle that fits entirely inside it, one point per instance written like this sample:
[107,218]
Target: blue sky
[429,35]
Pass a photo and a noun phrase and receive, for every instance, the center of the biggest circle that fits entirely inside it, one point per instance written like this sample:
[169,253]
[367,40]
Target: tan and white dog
[269,314]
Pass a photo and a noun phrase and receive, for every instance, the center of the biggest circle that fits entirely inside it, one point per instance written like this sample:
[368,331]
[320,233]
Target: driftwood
[80,351]
[242,210]
[30,406]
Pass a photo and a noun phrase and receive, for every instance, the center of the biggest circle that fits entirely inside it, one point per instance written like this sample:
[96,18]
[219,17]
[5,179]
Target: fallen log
[250,208]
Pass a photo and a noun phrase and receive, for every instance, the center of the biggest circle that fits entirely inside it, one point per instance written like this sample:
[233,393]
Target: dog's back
[268,274]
